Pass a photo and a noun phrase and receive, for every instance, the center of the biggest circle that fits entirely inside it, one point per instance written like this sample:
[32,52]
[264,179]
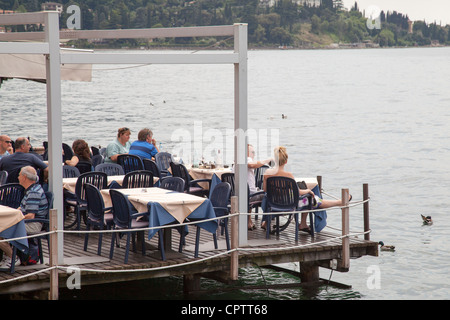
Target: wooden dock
[310,252]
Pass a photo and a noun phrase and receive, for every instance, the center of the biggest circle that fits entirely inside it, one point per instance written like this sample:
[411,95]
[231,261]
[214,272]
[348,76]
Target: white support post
[54,127]
[240,127]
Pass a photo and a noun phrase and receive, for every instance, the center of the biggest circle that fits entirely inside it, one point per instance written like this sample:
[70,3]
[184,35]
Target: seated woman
[81,152]
[121,145]
[281,159]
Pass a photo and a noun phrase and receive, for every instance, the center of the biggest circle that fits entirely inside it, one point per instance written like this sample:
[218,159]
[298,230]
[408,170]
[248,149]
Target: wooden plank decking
[282,250]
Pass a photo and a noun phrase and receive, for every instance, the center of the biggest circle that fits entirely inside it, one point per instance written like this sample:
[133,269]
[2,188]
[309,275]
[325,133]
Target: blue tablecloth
[158,216]
[16,231]
[215,180]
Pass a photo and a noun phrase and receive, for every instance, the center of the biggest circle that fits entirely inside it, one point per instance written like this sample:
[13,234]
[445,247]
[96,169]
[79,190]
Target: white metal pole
[240,127]
[54,119]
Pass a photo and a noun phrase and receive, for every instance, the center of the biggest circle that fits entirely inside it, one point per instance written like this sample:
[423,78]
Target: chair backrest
[138,179]
[95,203]
[50,198]
[172,183]
[220,196]
[68,153]
[122,209]
[150,165]
[111,169]
[228,177]
[11,195]
[282,194]
[179,170]
[84,166]
[96,160]
[13,176]
[259,176]
[163,160]
[70,172]
[130,162]
[98,179]
[95,150]
[3,177]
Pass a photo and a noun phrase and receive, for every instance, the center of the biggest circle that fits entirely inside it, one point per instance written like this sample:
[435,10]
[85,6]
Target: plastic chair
[219,200]
[98,179]
[84,166]
[130,162]
[150,165]
[111,169]
[45,227]
[98,216]
[125,218]
[190,186]
[70,172]
[13,176]
[11,195]
[95,150]
[68,152]
[163,160]
[3,177]
[172,183]
[283,196]
[254,199]
[138,179]
[96,160]
[259,176]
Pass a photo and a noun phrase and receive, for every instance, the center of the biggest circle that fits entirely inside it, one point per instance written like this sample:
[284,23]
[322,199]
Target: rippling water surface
[353,116]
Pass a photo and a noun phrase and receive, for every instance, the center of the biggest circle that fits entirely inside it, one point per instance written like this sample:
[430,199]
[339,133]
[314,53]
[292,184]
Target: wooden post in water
[53,226]
[234,267]
[366,211]
[345,230]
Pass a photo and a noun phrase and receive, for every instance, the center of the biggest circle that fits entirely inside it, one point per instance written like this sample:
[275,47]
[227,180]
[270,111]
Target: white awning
[32,67]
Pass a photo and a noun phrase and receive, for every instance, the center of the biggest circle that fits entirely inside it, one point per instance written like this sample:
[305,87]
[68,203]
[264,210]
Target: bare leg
[6,248]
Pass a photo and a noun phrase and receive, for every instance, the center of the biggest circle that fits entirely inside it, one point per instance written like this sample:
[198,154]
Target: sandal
[307,229]
[252,227]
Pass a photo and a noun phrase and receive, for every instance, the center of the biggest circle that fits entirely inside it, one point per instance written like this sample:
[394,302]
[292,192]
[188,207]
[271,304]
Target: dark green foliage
[280,24]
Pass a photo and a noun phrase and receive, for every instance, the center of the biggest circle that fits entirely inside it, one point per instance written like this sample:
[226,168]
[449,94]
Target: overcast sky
[428,10]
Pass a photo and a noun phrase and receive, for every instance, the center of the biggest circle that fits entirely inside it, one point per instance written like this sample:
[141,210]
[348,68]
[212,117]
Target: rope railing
[226,252]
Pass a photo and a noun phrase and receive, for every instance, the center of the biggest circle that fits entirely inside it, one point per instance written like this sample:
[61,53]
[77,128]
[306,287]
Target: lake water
[375,116]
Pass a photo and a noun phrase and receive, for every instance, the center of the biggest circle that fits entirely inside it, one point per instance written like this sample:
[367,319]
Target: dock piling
[345,231]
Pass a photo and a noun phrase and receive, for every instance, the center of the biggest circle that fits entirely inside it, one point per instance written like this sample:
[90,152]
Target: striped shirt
[35,201]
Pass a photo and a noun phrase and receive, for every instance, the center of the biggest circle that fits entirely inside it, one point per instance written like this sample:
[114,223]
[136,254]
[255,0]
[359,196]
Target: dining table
[12,225]
[214,174]
[165,207]
[70,183]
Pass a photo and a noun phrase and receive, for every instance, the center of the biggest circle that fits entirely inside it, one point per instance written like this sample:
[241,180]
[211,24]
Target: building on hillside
[52,6]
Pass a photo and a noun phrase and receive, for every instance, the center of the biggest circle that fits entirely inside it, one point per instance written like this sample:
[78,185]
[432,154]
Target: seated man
[34,205]
[145,146]
[22,158]
[5,146]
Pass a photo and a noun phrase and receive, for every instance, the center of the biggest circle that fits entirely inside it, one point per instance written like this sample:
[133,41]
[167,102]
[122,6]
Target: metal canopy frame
[49,46]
